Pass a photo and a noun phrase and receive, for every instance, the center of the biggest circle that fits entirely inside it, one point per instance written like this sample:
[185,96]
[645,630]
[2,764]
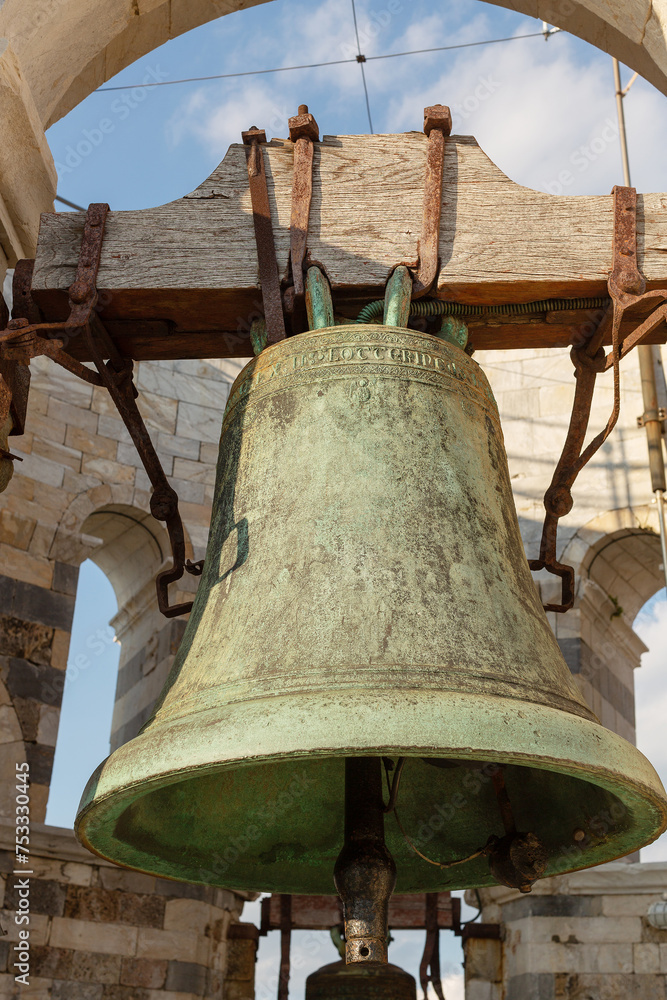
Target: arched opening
[120,650]
[619,574]
[651,697]
[88,696]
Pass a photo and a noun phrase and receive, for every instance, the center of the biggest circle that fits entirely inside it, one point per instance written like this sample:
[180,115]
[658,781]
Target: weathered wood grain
[193,264]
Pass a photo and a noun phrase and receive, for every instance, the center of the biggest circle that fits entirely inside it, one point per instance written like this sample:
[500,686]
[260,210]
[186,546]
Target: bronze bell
[366,595]
[366,981]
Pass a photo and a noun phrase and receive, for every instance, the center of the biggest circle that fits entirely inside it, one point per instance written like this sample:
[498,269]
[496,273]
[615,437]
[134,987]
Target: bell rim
[579,748]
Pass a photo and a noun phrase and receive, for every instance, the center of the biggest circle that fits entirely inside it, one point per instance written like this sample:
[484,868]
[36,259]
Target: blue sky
[543,111]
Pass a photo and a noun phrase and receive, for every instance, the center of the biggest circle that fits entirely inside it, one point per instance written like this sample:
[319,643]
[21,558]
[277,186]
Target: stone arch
[67,48]
[130,547]
[617,558]
[53,53]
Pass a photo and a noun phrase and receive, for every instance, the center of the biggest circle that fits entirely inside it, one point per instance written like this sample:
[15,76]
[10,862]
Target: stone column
[35,626]
[574,937]
[98,932]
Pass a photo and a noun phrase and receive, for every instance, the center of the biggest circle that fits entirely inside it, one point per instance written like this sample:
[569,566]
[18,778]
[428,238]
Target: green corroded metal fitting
[397,298]
[318,300]
[454,330]
[259,337]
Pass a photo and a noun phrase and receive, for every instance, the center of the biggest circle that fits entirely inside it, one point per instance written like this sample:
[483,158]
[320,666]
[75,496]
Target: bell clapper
[365,873]
[517,859]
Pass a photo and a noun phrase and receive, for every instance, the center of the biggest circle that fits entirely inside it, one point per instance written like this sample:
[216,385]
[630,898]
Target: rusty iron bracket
[626,286]
[266,247]
[437,124]
[26,337]
[116,376]
[429,967]
[304,133]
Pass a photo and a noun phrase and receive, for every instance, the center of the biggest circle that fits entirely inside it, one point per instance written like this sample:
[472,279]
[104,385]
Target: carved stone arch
[68,48]
[131,548]
[53,53]
[617,558]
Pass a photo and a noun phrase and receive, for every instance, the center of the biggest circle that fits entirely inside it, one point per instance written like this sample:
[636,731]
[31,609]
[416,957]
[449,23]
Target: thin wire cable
[361,66]
[332,62]
[70,204]
[222,76]
[439,864]
[448,48]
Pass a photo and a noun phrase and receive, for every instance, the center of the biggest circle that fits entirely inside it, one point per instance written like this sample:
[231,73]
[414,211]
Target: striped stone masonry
[35,625]
[575,937]
[140,680]
[98,932]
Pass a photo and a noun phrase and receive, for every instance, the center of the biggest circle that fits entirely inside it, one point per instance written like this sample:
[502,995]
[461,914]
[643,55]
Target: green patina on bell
[365,593]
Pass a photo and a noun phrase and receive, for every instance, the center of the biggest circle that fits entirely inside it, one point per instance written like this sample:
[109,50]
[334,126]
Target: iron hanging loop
[626,287]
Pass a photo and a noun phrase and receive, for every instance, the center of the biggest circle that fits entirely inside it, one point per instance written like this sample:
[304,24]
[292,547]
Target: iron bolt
[303,126]
[437,116]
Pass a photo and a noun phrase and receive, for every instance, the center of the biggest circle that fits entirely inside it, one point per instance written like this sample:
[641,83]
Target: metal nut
[437,116]
[303,126]
[253,134]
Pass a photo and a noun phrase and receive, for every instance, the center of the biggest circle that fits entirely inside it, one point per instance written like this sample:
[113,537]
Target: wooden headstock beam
[181,280]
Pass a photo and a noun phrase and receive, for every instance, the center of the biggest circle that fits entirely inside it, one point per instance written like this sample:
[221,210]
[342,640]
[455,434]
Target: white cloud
[544,116]
[452,987]
[216,125]
[544,112]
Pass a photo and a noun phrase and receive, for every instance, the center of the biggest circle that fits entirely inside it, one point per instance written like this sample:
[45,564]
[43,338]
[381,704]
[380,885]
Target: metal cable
[332,62]
[438,307]
[361,59]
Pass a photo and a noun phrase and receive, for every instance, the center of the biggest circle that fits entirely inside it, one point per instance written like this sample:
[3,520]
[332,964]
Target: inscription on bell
[363,353]
[375,353]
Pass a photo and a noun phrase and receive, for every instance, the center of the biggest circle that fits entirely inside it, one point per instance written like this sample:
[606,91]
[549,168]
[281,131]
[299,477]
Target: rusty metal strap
[304,133]
[266,247]
[285,942]
[437,124]
[31,337]
[116,375]
[627,290]
[23,339]
[429,967]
